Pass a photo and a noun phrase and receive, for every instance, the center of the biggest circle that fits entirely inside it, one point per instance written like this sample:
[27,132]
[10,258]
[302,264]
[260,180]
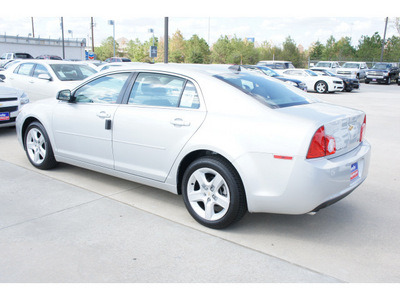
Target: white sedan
[315,82]
[41,79]
[228,140]
[11,102]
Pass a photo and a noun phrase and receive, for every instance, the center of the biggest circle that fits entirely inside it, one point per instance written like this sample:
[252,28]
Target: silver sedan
[228,140]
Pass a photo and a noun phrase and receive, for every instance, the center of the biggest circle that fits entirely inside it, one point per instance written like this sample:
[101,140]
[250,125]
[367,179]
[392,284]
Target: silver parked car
[228,140]
[11,102]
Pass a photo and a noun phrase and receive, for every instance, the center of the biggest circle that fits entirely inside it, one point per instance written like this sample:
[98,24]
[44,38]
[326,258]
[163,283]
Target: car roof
[51,61]
[179,68]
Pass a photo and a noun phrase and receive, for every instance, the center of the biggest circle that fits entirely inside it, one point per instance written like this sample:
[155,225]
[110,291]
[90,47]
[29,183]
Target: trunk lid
[342,123]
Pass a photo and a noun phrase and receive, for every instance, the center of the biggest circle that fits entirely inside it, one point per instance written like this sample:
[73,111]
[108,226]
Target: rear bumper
[299,185]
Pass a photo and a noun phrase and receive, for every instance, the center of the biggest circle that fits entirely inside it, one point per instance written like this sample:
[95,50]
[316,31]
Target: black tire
[366,81]
[205,206]
[38,148]
[321,87]
[389,80]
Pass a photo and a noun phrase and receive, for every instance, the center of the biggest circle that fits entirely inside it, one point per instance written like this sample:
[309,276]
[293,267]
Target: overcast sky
[304,21]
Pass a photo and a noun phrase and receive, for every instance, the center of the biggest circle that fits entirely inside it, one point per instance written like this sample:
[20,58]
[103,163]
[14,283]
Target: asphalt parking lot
[74,225]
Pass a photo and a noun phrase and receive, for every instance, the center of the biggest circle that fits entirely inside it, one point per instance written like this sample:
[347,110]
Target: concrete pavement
[74,225]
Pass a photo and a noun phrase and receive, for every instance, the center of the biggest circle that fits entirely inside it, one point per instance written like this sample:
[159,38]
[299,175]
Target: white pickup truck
[355,70]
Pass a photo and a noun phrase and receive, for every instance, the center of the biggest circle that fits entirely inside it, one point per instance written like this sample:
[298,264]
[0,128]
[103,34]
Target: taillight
[321,144]
[362,131]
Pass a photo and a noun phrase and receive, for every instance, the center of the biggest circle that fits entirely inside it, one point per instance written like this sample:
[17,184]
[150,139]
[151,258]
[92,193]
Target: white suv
[331,66]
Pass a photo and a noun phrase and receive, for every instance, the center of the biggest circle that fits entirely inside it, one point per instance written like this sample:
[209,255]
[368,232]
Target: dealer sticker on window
[354,171]
[4,116]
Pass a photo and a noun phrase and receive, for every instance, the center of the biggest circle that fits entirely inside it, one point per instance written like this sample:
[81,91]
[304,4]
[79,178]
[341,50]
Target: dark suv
[383,73]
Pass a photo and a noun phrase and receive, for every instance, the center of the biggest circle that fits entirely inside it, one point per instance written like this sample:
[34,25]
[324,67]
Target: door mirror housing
[64,95]
[45,77]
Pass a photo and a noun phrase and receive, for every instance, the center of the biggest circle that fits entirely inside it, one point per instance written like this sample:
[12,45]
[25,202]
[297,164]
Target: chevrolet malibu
[228,140]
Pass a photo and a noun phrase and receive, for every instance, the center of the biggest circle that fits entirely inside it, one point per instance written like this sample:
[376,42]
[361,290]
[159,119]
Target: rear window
[271,93]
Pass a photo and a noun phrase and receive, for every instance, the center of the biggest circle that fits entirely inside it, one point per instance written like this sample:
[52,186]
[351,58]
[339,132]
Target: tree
[317,51]
[106,49]
[221,50]
[136,50]
[330,49]
[392,49]
[177,48]
[291,53]
[345,51]
[197,51]
[369,48]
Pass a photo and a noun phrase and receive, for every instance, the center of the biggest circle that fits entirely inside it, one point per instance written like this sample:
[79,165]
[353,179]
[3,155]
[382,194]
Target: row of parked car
[350,73]
[39,79]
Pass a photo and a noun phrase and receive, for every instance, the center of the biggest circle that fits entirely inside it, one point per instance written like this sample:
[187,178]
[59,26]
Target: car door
[161,115]
[39,88]
[82,128]
[19,78]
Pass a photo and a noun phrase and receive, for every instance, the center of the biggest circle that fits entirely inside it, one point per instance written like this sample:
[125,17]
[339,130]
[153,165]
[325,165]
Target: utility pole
[92,25]
[384,37]
[62,32]
[166,40]
[33,28]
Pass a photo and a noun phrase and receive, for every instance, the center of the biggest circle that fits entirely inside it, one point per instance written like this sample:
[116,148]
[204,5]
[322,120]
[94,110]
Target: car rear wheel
[321,87]
[213,192]
[38,148]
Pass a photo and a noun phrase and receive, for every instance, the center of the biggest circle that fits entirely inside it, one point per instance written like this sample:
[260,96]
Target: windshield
[271,93]
[309,72]
[269,72]
[72,72]
[381,66]
[323,65]
[351,66]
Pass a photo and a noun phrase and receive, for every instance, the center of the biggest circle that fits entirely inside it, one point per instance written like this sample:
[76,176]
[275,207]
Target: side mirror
[45,77]
[64,95]
[2,77]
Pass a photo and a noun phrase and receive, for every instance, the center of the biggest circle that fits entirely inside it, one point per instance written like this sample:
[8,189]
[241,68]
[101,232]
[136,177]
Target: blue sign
[251,40]
[153,51]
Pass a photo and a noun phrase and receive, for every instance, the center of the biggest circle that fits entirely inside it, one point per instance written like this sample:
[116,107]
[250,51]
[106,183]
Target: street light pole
[383,41]
[112,22]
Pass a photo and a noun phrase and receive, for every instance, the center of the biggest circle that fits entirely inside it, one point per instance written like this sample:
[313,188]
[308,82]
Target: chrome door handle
[179,122]
[103,115]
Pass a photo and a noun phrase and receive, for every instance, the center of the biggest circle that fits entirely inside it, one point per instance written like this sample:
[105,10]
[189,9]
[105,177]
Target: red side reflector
[283,157]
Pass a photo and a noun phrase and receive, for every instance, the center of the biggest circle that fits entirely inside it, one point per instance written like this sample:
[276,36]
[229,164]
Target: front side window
[103,90]
[40,69]
[163,90]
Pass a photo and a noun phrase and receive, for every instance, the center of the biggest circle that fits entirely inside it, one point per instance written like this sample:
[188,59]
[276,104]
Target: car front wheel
[38,147]
[321,87]
[213,192]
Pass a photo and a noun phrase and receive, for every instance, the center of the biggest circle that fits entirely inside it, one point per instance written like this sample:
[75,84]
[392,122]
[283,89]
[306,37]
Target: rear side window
[153,89]
[271,93]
